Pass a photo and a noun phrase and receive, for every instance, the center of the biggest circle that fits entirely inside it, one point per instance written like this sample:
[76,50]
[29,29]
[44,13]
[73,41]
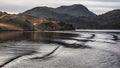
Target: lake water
[60,49]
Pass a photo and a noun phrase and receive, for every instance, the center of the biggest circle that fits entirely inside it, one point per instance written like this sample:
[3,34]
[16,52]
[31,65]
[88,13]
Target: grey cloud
[11,8]
[23,5]
[106,0]
[105,6]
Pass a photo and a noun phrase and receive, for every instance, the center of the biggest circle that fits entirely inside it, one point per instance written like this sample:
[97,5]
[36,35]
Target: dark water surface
[60,49]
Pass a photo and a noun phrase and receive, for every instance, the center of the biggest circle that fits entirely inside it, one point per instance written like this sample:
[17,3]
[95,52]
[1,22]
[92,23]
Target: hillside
[15,22]
[109,20]
[52,24]
[26,22]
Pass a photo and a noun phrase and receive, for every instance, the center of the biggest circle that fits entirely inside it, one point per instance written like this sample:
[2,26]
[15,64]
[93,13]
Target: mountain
[69,14]
[79,16]
[26,22]
[74,10]
[60,12]
[61,18]
[109,20]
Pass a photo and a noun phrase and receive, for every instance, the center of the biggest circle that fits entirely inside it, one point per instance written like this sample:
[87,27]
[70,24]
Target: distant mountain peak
[78,5]
[75,10]
[41,8]
[113,13]
[75,6]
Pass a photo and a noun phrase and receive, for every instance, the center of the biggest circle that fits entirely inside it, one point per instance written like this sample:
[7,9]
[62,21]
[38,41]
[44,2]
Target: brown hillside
[26,22]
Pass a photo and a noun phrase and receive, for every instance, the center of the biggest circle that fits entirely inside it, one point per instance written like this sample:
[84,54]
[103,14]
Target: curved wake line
[12,59]
[46,55]
[28,55]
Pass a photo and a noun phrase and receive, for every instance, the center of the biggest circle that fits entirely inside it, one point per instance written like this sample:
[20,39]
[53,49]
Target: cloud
[100,7]
[97,6]
[106,0]
[101,10]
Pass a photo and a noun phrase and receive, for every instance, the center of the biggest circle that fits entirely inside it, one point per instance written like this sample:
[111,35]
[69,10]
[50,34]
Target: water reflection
[64,39]
[13,35]
[32,36]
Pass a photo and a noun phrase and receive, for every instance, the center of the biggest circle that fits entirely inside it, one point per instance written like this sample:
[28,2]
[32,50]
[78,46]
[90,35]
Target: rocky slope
[15,22]
[26,22]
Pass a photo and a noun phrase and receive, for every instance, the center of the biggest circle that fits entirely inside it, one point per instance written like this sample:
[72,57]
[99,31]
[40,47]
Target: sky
[96,6]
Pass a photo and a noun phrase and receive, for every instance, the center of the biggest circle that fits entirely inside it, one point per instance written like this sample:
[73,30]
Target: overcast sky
[96,6]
